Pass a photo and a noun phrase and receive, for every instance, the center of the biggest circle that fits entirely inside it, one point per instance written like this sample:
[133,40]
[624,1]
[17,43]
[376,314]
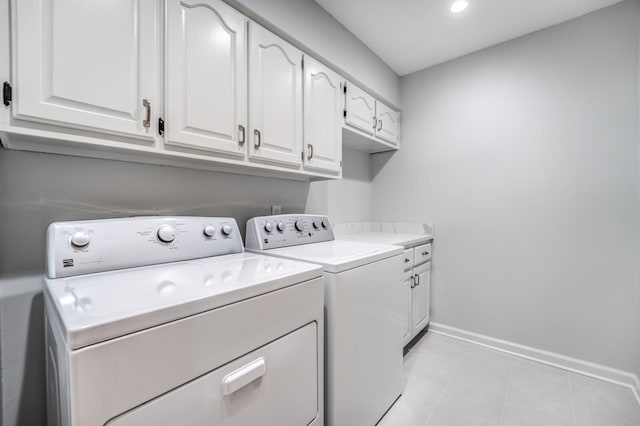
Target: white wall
[524,155]
[312,26]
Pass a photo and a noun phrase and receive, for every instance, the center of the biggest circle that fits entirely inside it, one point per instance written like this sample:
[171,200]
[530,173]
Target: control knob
[268,227]
[166,233]
[316,224]
[325,224]
[226,229]
[80,239]
[209,230]
[300,225]
[280,226]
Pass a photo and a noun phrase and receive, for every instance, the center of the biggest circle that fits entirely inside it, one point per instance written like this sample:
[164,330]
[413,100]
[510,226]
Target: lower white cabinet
[275,99]
[416,290]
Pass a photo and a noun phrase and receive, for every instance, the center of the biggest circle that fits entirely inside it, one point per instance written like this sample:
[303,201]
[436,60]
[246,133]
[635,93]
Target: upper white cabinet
[360,109]
[387,126]
[206,89]
[275,99]
[86,64]
[323,106]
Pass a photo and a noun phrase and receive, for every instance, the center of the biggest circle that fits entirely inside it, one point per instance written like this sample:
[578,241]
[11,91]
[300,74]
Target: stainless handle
[417,279]
[147,105]
[379,125]
[413,281]
[310,150]
[241,134]
[257,142]
[375,122]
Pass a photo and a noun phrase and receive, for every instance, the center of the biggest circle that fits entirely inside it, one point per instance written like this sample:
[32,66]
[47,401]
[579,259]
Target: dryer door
[273,385]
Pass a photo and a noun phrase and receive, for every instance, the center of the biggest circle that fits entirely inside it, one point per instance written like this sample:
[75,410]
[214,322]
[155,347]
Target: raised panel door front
[421,296]
[407,326]
[322,117]
[275,99]
[387,127]
[206,77]
[361,109]
[86,64]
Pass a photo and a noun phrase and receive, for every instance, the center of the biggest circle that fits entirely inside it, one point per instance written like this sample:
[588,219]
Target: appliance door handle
[243,376]
[147,121]
[379,125]
[257,139]
[241,134]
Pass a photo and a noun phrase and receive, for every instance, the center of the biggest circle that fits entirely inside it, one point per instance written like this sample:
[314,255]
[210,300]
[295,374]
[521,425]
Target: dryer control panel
[285,230]
[75,248]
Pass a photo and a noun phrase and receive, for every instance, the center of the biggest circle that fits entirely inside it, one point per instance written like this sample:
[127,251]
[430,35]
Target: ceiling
[410,35]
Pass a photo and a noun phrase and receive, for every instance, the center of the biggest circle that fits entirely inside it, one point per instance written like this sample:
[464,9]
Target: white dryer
[363,312]
[166,321]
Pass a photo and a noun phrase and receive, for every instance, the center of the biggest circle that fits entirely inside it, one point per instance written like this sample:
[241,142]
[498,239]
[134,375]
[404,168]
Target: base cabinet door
[206,66]
[275,99]
[407,297]
[361,109]
[421,296]
[322,117]
[88,65]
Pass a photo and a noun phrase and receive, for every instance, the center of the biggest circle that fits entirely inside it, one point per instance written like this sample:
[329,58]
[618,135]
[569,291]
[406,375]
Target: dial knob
[316,224]
[299,224]
[268,227]
[166,233]
[226,229]
[80,239]
[209,230]
[280,226]
[325,224]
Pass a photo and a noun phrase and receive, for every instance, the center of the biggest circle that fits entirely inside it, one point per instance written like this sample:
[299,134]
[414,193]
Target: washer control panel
[75,248]
[267,232]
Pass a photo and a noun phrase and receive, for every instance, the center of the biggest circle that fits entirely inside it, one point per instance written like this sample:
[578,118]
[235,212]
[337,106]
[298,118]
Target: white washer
[363,317]
[204,334]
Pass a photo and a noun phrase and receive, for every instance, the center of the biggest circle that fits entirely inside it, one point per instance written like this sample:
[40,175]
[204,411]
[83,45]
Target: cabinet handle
[417,279]
[407,260]
[257,139]
[147,122]
[425,253]
[241,134]
[310,150]
[413,281]
[375,122]
[379,125]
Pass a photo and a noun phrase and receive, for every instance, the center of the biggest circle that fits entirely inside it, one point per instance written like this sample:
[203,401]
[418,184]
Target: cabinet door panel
[206,76]
[421,296]
[407,291]
[322,117]
[387,127]
[275,98]
[88,64]
[361,109]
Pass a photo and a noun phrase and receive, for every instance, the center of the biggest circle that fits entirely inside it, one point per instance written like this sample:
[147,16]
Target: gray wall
[524,155]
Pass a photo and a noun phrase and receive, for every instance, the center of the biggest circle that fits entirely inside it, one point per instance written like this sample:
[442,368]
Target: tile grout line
[447,385]
[506,396]
[573,404]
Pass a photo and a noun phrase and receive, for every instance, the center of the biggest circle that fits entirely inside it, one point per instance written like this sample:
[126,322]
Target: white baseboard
[586,368]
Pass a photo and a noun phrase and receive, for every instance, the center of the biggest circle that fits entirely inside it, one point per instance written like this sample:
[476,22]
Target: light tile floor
[453,383]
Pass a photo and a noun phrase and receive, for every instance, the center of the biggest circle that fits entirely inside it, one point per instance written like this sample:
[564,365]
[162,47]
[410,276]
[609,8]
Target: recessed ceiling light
[459,5]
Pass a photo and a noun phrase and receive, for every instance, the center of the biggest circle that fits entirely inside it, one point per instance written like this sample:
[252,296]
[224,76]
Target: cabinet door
[206,77]
[407,292]
[322,117]
[275,98]
[361,109]
[89,65]
[387,127]
[421,296]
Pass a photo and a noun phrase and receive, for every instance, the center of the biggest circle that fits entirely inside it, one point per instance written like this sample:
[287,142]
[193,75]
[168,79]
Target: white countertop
[401,234]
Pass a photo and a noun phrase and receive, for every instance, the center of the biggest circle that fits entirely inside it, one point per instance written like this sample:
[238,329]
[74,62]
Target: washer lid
[98,307]
[338,255]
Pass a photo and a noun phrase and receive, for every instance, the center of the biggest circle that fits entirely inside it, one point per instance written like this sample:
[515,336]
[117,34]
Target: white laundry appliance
[363,312]
[166,321]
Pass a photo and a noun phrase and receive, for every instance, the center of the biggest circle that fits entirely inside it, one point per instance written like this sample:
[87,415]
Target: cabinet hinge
[7,95]
[160,126]
[344,113]
[302,156]
[302,61]
[344,88]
